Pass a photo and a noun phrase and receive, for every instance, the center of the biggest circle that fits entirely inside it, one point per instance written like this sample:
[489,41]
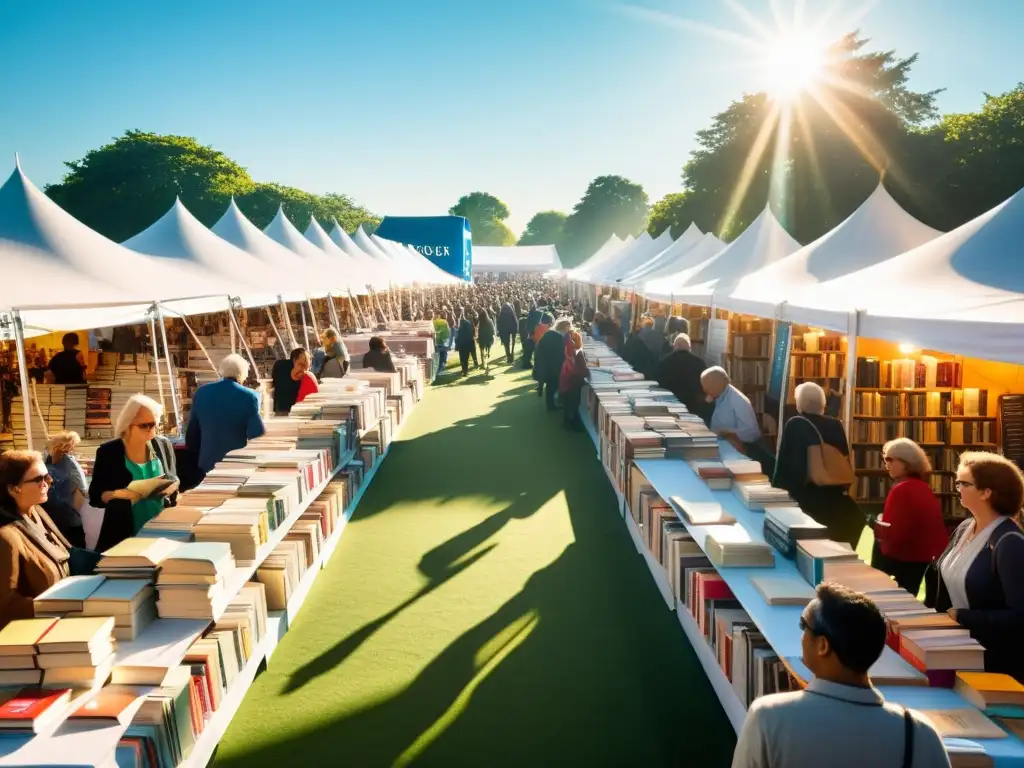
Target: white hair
[135,404]
[234,367]
[910,453]
[810,398]
[682,341]
[562,321]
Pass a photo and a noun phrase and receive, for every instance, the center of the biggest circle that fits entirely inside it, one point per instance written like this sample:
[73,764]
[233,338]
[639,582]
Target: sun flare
[794,64]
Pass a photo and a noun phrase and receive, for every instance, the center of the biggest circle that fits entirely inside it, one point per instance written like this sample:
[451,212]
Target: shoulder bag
[826,464]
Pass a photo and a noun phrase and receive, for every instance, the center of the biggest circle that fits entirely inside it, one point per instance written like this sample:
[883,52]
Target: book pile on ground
[136,558]
[77,652]
[18,640]
[731,546]
[702,512]
[785,526]
[941,653]
[758,496]
[714,474]
[997,694]
[131,602]
[191,581]
[816,558]
[32,710]
[783,590]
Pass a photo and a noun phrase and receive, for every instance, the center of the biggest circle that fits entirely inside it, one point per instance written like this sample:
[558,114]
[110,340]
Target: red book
[33,708]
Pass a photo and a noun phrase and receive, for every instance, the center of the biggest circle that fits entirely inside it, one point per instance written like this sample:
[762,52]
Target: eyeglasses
[146,425]
[40,480]
[959,484]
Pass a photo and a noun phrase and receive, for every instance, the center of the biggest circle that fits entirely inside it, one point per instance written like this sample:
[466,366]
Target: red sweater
[916,532]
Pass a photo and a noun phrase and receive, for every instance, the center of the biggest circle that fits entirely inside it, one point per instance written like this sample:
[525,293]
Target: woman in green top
[138,453]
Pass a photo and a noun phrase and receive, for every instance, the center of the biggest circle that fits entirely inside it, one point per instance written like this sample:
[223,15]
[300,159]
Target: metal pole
[26,396]
[156,360]
[333,312]
[312,312]
[241,338]
[305,327]
[171,385]
[853,329]
[287,322]
[280,339]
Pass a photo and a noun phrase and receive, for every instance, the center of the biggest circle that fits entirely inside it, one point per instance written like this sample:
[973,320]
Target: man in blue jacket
[225,415]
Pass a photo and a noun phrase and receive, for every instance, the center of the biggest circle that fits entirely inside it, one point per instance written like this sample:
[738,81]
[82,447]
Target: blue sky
[407,104]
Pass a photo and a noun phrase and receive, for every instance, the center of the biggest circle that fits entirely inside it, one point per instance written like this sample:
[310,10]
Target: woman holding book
[910,533]
[135,474]
[828,503]
[34,555]
[981,573]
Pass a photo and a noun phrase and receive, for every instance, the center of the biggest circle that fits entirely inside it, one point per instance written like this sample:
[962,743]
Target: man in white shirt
[734,416]
[840,720]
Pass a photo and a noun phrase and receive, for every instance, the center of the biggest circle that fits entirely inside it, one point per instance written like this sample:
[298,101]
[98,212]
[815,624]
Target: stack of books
[18,651]
[785,526]
[162,731]
[731,546]
[131,602]
[715,474]
[941,653]
[191,581]
[702,512]
[758,496]
[783,590]
[138,557]
[996,694]
[32,710]
[175,523]
[77,652]
[816,559]
[67,596]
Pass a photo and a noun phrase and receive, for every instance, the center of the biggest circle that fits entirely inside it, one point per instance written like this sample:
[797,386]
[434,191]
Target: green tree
[611,205]
[674,211]
[545,228]
[123,187]
[487,215]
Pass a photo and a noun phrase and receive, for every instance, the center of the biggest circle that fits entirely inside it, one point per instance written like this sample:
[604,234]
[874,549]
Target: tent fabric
[962,292]
[686,263]
[878,230]
[628,259]
[761,244]
[408,261]
[282,231]
[515,258]
[602,255]
[669,261]
[375,271]
[352,270]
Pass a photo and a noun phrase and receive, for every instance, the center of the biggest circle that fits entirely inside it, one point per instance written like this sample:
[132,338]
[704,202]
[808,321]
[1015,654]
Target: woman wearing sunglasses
[33,553]
[137,453]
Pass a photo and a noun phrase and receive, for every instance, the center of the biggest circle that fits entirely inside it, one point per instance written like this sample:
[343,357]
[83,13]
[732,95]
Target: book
[34,709]
[19,638]
[963,724]
[989,689]
[151,487]
[702,512]
[783,590]
[111,704]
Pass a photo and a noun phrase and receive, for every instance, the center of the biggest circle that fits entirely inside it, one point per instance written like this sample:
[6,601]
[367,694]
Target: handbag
[826,464]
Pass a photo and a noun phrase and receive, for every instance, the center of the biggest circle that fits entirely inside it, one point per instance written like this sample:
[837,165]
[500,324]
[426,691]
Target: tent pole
[241,338]
[305,327]
[26,397]
[287,322]
[312,314]
[333,312]
[853,330]
[171,386]
[280,339]
[156,360]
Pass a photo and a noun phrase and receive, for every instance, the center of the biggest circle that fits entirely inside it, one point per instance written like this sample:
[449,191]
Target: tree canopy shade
[486,215]
[669,213]
[545,228]
[123,187]
[611,205]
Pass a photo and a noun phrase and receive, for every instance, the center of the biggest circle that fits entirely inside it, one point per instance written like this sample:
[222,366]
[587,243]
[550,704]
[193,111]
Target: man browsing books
[840,720]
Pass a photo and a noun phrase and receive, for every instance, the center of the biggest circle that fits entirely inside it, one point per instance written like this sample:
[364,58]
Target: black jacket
[995,591]
[797,436]
[110,473]
[379,360]
[508,323]
[550,354]
[679,373]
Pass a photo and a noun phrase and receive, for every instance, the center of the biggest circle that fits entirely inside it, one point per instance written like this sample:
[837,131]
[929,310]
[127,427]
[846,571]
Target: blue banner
[780,361]
[446,240]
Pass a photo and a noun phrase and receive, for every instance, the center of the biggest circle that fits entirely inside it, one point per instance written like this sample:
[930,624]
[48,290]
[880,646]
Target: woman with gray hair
[138,453]
[910,533]
[69,488]
[826,499]
[337,360]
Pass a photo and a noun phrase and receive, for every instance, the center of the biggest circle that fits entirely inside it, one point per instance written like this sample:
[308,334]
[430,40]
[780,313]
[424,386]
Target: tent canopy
[669,261]
[515,258]
[878,230]
[601,256]
[282,231]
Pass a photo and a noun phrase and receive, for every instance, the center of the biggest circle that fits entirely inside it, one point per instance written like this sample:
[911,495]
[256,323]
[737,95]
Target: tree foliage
[545,228]
[670,213]
[123,187]
[486,214]
[611,205]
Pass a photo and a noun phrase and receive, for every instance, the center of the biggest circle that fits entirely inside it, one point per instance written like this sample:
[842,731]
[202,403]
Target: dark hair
[377,343]
[297,353]
[13,466]
[853,625]
[69,340]
[996,473]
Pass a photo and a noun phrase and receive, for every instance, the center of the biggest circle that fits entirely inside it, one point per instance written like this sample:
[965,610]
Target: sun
[794,64]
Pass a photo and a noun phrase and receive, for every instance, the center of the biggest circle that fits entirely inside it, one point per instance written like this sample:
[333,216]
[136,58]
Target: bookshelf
[748,363]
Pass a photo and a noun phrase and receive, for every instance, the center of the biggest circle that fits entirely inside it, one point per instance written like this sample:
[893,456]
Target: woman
[307,381]
[69,488]
[286,379]
[34,555]
[830,504]
[337,360]
[67,366]
[465,343]
[485,338]
[137,453]
[570,385]
[981,573]
[910,534]
[379,356]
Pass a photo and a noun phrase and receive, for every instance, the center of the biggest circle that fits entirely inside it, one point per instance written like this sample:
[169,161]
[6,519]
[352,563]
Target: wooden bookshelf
[748,362]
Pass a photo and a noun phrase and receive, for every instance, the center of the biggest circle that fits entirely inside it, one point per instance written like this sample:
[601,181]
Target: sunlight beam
[757,151]
[861,138]
[666,19]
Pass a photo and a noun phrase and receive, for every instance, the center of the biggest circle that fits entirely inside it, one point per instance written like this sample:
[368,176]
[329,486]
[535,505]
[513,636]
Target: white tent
[669,261]
[515,258]
[378,276]
[409,261]
[182,240]
[642,249]
[282,231]
[761,244]
[612,247]
[61,274]
[962,292]
[435,275]
[878,230]
[689,264]
[351,270]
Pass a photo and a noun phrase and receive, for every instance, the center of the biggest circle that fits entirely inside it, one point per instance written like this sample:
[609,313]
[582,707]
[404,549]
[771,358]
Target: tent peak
[17,161]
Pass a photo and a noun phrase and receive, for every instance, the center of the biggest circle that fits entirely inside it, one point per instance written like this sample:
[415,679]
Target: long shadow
[583,666]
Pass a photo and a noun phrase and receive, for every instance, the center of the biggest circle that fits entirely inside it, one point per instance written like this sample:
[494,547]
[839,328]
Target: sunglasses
[147,425]
[40,480]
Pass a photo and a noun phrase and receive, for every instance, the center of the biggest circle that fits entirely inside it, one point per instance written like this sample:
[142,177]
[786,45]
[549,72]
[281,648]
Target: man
[337,361]
[547,364]
[733,417]
[285,380]
[225,415]
[532,320]
[67,366]
[840,720]
[680,374]
[441,333]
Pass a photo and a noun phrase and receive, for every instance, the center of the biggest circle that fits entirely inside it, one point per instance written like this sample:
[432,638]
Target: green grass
[485,607]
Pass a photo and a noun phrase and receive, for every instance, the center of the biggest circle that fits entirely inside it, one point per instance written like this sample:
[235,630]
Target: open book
[147,488]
